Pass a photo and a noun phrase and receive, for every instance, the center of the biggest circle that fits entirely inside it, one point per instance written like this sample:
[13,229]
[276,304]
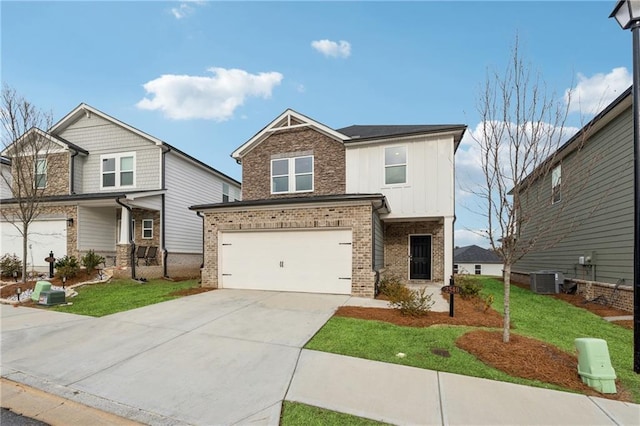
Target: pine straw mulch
[521,357]
[9,290]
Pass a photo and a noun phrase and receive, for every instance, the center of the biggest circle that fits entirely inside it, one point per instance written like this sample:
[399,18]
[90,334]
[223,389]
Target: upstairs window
[118,170]
[292,175]
[556,183]
[41,173]
[225,192]
[395,165]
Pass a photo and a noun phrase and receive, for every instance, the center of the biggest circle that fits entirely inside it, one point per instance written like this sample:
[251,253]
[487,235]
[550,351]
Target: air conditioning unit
[546,282]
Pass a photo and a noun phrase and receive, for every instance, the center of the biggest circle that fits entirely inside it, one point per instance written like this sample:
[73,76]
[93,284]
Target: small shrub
[488,301]
[10,263]
[412,302]
[469,286]
[392,287]
[67,266]
[91,260]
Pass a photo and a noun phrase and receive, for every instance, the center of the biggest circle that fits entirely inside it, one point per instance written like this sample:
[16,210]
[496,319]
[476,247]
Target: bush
[91,260]
[412,302]
[67,266]
[392,287]
[10,263]
[469,286]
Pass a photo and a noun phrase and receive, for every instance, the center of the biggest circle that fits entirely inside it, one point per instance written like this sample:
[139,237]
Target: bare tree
[522,127]
[28,147]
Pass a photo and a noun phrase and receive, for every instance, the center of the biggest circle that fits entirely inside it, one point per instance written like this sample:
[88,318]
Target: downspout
[376,286]
[165,253]
[73,172]
[133,244]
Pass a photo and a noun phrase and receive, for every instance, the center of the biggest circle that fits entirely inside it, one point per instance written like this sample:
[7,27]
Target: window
[292,175]
[225,192]
[118,170]
[556,182]
[395,165]
[147,229]
[478,269]
[41,173]
[455,268]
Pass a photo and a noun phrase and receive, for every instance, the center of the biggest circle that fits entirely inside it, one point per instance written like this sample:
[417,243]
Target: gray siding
[99,136]
[595,214]
[97,228]
[5,181]
[378,243]
[187,185]
[78,173]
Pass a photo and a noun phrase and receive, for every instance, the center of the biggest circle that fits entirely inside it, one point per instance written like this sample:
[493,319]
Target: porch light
[627,13]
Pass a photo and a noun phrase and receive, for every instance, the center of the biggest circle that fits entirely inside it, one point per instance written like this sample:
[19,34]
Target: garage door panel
[44,236]
[304,261]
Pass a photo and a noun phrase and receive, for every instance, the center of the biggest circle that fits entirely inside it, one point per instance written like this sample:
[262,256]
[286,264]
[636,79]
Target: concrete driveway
[221,357]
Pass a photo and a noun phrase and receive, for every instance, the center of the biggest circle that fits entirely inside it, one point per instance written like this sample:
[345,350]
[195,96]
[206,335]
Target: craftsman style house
[111,188]
[331,211]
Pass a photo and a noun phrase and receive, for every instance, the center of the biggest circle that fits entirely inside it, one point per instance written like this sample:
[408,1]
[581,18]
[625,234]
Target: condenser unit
[546,282]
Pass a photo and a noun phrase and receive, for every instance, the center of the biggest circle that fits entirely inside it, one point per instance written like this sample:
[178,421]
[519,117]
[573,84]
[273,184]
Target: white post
[125,224]
[448,248]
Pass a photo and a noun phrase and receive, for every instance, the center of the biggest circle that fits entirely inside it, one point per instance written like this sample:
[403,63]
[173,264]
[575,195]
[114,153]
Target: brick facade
[396,248]
[138,216]
[356,217]
[328,157]
[57,173]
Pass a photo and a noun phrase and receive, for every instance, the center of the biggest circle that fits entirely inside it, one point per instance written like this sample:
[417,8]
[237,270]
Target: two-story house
[586,203]
[330,211]
[111,188]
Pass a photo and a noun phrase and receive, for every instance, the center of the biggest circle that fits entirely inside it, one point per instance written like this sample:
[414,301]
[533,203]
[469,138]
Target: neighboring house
[477,261]
[5,179]
[100,173]
[329,211]
[594,226]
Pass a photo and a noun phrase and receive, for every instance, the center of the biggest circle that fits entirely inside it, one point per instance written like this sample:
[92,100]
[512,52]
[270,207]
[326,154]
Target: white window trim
[46,173]
[384,166]
[145,228]
[476,268]
[292,175]
[117,171]
[557,184]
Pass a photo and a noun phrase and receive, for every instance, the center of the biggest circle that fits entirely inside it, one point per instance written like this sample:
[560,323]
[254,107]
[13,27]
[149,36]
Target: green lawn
[98,300]
[542,317]
[295,414]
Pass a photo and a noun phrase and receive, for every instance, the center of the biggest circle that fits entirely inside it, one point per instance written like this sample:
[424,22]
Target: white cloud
[341,49]
[216,97]
[592,94]
[186,8]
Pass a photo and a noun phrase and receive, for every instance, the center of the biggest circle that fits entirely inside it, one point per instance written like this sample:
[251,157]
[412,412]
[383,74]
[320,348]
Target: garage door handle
[282,264]
[344,278]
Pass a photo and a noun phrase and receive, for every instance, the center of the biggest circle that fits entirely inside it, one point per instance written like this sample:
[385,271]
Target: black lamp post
[627,13]
[15,276]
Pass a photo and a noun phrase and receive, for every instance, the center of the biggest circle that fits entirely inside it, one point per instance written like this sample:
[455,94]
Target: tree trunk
[507,313]
[25,243]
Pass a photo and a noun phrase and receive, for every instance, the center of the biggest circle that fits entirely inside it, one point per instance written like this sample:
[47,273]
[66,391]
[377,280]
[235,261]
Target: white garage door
[314,261]
[44,236]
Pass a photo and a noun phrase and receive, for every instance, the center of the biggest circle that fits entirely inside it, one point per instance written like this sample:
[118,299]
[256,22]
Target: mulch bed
[10,289]
[522,357]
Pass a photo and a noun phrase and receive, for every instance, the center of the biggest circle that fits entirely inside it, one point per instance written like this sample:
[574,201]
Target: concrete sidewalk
[412,396]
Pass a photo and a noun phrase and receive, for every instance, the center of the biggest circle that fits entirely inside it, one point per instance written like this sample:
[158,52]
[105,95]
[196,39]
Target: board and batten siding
[99,137]
[429,190]
[97,228]
[187,184]
[598,218]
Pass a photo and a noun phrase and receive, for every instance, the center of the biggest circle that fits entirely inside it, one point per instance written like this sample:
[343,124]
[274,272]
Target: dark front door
[420,257]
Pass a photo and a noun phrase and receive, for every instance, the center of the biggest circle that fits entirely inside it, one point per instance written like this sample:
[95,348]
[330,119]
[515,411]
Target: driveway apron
[221,357]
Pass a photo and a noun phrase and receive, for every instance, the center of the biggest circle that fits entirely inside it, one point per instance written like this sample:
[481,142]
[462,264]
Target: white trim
[46,173]
[117,172]
[556,182]
[271,127]
[144,228]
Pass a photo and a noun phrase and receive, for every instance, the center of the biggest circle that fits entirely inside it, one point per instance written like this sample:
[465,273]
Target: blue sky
[206,76]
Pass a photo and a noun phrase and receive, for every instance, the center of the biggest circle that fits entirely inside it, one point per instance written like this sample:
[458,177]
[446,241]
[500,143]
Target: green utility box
[594,364]
[40,287]
[51,297]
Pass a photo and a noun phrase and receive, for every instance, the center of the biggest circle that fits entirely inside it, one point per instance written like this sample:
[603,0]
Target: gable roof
[289,119]
[362,132]
[63,143]
[474,254]
[84,109]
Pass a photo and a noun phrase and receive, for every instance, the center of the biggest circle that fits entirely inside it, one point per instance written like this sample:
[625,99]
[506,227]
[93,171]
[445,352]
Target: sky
[206,76]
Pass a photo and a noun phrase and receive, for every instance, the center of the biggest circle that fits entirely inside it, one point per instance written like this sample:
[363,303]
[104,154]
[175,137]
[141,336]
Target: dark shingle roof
[358,132]
[474,254]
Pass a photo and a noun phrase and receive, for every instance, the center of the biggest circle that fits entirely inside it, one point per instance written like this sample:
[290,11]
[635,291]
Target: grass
[542,317]
[294,414]
[98,300]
